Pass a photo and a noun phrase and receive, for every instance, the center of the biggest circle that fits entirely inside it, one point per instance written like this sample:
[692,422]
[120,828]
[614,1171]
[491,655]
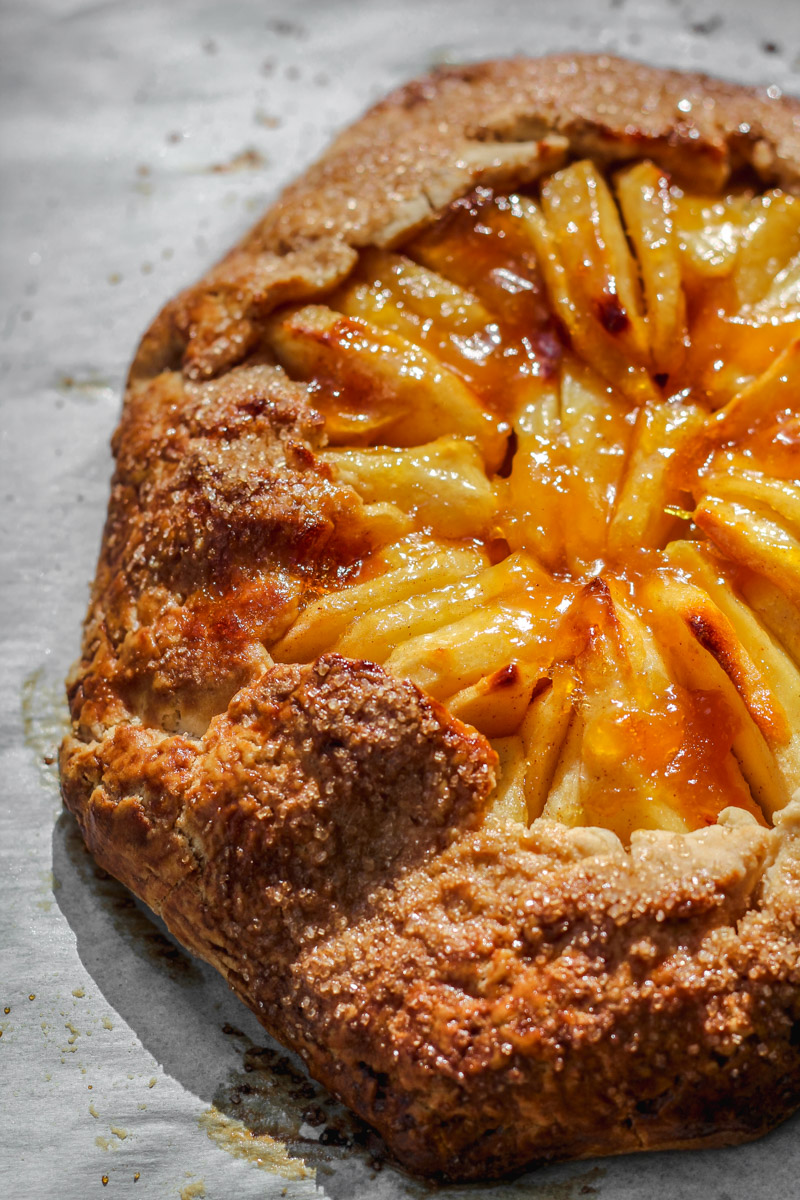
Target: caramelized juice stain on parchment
[273,1115]
[45,720]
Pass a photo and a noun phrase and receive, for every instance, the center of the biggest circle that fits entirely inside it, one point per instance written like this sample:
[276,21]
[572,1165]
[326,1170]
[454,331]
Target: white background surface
[114,118]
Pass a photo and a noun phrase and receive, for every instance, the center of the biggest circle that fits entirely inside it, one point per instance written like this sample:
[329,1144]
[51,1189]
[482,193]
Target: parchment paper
[139,141]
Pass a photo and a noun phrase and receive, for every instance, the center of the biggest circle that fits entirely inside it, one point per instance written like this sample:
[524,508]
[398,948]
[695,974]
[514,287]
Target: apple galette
[441,680]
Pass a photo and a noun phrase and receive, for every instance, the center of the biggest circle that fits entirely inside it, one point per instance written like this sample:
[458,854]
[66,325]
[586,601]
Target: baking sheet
[139,140]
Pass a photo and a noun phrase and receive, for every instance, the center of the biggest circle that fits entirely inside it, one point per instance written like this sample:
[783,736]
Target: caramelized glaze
[468,299]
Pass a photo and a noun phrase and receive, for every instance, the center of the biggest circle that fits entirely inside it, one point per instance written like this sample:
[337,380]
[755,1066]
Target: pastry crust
[485,995]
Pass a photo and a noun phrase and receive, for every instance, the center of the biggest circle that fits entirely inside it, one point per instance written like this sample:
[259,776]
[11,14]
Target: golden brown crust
[437,137]
[486,996]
